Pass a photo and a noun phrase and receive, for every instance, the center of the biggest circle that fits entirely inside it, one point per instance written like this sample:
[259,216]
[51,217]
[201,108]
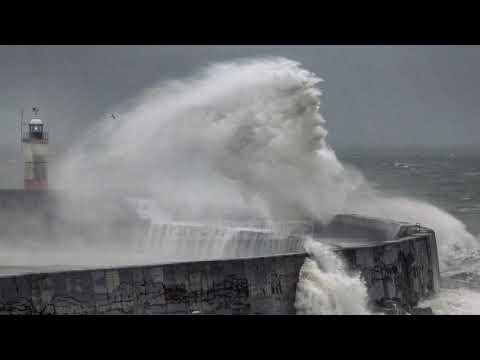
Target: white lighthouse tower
[35,150]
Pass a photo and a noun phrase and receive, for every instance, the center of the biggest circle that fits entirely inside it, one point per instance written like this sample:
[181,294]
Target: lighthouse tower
[35,150]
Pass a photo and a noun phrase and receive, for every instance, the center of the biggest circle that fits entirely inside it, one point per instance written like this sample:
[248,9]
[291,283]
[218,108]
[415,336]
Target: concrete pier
[255,271]
[402,270]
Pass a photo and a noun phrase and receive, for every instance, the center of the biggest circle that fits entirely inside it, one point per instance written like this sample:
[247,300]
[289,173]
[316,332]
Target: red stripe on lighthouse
[33,184]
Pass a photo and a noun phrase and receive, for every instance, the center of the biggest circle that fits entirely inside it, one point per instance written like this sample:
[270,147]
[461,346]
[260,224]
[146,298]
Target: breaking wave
[243,137]
[326,288]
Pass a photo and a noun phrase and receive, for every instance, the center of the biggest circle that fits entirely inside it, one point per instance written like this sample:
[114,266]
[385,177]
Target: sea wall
[401,271]
[239,286]
[254,272]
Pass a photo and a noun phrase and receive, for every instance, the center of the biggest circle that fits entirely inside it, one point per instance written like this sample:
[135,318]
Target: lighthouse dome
[36,122]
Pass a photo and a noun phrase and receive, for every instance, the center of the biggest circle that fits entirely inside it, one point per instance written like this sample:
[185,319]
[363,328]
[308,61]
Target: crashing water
[189,242]
[462,301]
[247,135]
[326,288]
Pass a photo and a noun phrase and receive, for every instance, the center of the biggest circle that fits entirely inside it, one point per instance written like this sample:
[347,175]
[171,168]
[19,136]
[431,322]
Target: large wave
[245,134]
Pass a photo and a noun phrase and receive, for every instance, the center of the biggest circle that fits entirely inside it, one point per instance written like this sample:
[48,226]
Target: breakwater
[250,271]
[401,271]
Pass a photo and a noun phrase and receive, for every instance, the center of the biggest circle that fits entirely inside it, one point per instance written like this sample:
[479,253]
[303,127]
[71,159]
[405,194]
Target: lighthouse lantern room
[35,150]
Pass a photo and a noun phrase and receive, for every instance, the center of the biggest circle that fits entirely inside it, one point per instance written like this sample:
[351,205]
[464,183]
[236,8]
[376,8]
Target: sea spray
[453,239]
[325,287]
[244,134]
[459,301]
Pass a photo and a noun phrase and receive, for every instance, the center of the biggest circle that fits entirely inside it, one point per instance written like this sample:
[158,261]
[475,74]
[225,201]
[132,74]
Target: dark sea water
[446,178]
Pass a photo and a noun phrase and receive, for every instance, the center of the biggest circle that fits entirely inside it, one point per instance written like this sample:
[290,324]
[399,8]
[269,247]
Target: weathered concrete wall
[240,286]
[402,271]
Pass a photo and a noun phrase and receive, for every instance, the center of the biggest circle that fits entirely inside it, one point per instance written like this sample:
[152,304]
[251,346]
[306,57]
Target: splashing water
[326,288]
[240,135]
[453,239]
[244,134]
[454,302]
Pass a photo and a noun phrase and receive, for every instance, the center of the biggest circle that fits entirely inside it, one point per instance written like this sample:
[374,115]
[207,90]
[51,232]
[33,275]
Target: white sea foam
[325,287]
[454,302]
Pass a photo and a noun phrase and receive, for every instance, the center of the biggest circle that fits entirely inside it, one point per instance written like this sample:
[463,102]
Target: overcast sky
[372,94]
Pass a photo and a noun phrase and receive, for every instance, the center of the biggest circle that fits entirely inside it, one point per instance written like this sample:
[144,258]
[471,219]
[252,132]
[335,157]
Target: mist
[238,138]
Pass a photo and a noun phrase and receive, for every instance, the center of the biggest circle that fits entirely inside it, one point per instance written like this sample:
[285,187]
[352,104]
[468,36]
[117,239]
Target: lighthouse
[35,150]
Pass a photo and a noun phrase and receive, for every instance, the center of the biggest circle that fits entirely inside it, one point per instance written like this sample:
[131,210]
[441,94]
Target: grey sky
[373,95]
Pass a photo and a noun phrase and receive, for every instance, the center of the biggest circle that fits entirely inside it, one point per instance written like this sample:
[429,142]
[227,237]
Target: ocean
[447,178]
